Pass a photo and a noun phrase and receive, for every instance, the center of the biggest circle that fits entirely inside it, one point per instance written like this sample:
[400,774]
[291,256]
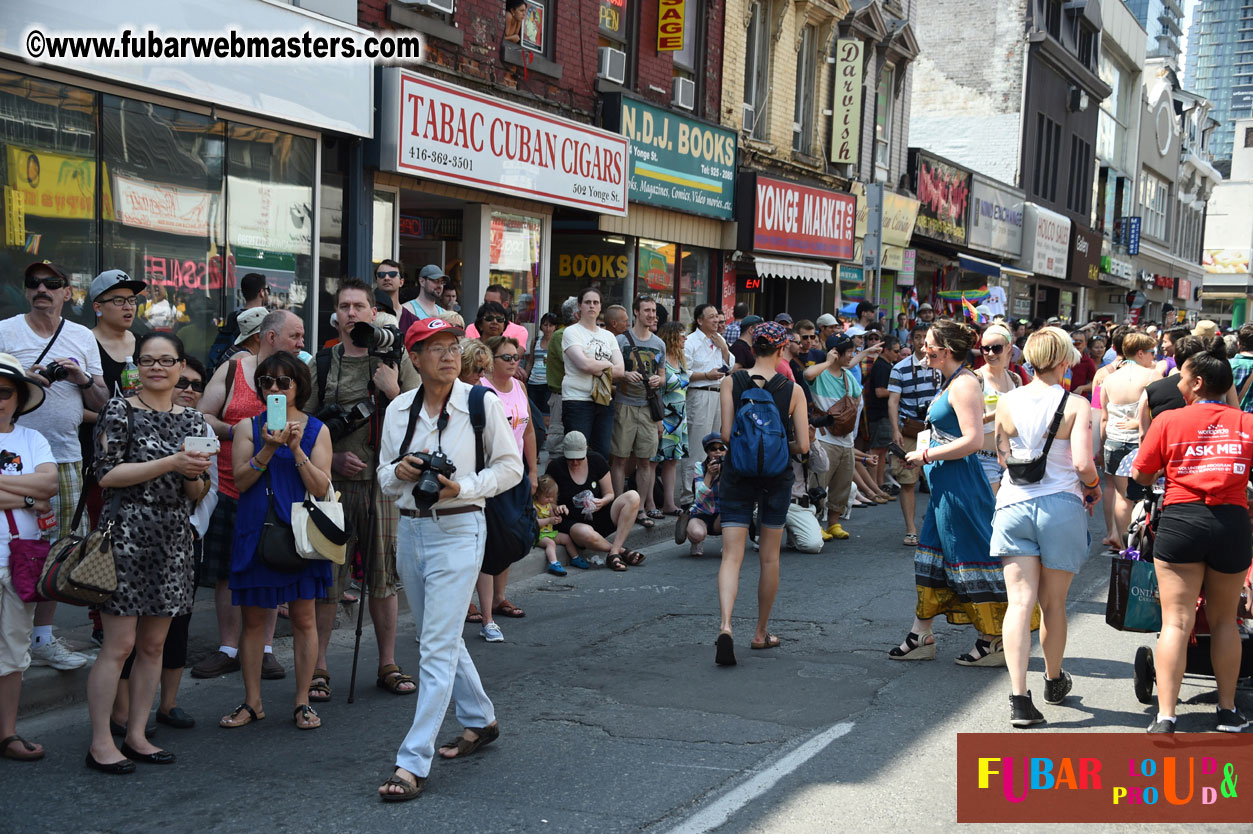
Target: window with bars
[1079,184]
[1048,141]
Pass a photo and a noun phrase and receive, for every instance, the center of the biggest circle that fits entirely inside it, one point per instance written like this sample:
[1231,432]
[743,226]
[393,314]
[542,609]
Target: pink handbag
[26,562]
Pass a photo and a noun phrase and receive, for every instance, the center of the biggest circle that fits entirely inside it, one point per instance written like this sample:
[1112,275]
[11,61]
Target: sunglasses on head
[995,350]
[196,385]
[51,283]
[283,382]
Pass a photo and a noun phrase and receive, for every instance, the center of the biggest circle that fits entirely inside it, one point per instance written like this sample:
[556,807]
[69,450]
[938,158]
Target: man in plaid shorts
[342,377]
[51,347]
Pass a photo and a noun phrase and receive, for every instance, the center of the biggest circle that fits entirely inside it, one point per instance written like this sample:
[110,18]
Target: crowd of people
[762,433]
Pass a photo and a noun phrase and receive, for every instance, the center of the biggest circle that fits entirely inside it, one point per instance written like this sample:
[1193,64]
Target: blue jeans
[438,560]
[595,421]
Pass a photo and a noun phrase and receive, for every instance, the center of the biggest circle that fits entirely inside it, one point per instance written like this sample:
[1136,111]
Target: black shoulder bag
[277,546]
[1031,470]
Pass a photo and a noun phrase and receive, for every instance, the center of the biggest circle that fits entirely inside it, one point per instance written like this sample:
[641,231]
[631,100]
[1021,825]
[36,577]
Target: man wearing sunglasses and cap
[64,358]
[426,304]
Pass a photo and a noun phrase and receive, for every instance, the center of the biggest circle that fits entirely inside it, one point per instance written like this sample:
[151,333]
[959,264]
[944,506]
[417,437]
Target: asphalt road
[614,717]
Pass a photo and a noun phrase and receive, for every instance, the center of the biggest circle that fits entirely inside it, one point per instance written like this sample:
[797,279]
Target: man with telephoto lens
[440,544]
[343,401]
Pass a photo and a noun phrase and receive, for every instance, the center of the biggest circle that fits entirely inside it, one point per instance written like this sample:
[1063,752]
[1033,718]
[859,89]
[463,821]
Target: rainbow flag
[976,296]
[970,310]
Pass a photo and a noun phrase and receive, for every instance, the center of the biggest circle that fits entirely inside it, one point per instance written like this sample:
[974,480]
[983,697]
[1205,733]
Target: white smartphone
[207,445]
[276,412]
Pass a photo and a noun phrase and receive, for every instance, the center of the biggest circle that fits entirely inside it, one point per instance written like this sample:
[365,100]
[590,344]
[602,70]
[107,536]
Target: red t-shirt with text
[1206,450]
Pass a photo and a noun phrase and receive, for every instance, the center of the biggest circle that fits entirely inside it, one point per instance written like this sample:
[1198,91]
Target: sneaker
[55,654]
[491,633]
[271,669]
[1166,725]
[697,551]
[1231,721]
[1022,713]
[580,563]
[215,665]
[1056,689]
[556,569]
[837,532]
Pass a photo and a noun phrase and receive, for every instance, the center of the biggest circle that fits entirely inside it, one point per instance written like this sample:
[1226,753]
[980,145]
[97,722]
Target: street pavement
[614,717]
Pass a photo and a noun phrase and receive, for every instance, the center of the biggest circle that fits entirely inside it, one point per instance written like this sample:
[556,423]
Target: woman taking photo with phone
[275,462]
[1203,541]
[151,485]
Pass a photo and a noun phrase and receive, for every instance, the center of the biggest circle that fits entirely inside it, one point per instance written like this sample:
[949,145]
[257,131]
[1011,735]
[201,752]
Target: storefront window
[600,261]
[384,226]
[48,153]
[654,272]
[515,262]
[331,210]
[695,280]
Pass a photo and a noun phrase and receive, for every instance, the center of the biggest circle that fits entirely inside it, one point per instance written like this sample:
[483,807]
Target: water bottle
[130,378]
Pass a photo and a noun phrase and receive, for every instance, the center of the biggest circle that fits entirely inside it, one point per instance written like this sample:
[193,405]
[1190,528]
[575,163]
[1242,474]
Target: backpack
[758,446]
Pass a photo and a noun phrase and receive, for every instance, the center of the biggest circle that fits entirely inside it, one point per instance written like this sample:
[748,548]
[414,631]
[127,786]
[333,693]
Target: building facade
[1220,66]
[1229,235]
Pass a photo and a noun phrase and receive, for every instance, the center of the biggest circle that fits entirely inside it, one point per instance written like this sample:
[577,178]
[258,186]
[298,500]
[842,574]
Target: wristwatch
[84,386]
[30,502]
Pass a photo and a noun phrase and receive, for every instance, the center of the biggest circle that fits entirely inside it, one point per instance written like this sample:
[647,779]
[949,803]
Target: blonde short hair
[474,354]
[1050,348]
[1135,342]
[452,317]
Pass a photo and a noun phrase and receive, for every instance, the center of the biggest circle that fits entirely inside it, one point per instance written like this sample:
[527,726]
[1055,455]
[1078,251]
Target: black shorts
[710,521]
[1217,536]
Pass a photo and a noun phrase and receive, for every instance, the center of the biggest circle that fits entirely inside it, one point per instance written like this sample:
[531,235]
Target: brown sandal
[633,557]
[474,615]
[391,678]
[320,687]
[411,789]
[26,752]
[228,722]
[465,746]
[614,562]
[508,609]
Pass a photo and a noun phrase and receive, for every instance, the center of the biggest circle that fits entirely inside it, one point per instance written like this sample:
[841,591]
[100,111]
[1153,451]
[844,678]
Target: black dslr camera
[426,489]
[384,342]
[54,372]
[341,422]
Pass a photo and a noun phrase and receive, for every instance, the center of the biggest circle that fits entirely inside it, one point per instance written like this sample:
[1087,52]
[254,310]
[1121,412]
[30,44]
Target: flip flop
[508,609]
[26,751]
[772,641]
[306,718]
[253,715]
[655,514]
[910,540]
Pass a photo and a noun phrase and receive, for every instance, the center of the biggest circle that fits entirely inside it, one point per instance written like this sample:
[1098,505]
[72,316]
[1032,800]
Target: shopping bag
[1133,603]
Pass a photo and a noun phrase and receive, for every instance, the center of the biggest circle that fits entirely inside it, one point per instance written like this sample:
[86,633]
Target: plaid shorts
[218,541]
[355,496]
[69,488]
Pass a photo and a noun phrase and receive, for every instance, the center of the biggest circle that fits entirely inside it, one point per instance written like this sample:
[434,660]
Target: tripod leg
[369,543]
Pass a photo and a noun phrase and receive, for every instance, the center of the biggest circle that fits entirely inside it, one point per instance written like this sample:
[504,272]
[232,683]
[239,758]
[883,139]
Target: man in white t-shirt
[52,348]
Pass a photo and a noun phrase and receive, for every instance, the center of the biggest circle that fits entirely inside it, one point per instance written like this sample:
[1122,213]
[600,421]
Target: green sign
[850,274]
[676,162]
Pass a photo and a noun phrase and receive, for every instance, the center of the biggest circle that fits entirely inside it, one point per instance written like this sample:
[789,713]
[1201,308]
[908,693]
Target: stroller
[1140,536]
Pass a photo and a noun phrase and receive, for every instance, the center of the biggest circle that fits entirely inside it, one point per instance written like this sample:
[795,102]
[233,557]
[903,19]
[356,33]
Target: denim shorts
[992,469]
[737,496]
[1053,527]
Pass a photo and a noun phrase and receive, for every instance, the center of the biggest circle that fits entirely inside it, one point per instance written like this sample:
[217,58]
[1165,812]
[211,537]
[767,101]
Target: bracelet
[1094,484]
[87,385]
[924,455]
[252,461]
[195,478]
[302,463]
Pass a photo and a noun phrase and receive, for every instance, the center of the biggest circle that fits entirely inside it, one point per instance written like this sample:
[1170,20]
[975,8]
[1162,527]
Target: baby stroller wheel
[1144,675]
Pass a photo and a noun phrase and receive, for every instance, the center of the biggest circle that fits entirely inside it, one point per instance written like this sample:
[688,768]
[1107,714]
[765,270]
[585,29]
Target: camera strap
[411,427]
[51,342]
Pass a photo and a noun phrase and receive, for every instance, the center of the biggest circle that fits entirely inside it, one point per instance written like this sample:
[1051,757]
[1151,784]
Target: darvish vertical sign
[670,25]
[846,106]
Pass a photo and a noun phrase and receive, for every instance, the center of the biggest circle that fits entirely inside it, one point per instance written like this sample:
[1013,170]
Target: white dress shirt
[503,468]
[704,354]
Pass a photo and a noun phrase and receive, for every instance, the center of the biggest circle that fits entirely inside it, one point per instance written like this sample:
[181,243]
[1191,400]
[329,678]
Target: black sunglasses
[385,273]
[496,318]
[283,382]
[194,384]
[510,357]
[995,350]
[49,283]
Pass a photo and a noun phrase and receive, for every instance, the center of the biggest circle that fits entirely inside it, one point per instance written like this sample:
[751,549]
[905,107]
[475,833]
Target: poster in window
[533,27]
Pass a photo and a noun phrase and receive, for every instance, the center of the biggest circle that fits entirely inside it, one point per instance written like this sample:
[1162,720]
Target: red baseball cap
[426,328]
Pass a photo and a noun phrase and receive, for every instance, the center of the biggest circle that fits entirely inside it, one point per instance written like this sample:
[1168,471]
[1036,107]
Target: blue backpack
[512,527]
[759,434]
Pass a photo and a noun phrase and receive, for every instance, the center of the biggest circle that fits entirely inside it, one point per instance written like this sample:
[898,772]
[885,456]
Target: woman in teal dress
[954,572]
[673,446]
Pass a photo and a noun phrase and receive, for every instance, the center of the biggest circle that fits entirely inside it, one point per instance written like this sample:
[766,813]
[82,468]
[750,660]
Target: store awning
[804,270]
[979,265]
[1016,273]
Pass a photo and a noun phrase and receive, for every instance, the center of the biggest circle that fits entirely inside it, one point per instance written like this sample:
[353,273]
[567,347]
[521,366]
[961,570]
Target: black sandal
[614,562]
[633,557]
[303,713]
[724,654]
[253,715]
[917,648]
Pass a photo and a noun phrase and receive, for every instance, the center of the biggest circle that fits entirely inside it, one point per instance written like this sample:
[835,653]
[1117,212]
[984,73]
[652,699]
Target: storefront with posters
[995,232]
[680,179]
[470,182]
[940,231]
[791,237]
[185,179]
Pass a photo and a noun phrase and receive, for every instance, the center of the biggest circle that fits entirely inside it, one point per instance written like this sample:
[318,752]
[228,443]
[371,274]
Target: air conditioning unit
[611,64]
[445,6]
[683,93]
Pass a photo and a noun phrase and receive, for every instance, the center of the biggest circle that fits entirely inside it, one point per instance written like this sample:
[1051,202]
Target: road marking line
[721,809]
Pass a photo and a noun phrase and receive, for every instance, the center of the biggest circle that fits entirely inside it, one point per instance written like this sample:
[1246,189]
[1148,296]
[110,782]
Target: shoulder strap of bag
[324,524]
[231,367]
[91,474]
[478,419]
[1055,425]
[51,342]
[323,360]
[1244,389]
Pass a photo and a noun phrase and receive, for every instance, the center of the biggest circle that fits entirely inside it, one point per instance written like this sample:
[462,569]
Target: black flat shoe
[117,768]
[725,653]
[160,757]
[176,718]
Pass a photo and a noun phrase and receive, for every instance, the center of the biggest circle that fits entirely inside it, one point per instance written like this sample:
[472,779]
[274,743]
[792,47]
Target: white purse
[320,528]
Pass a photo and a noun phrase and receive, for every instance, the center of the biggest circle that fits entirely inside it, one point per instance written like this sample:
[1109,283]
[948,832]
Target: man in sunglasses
[345,382]
[52,348]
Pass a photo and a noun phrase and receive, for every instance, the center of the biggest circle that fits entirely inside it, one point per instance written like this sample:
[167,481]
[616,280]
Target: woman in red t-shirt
[1203,538]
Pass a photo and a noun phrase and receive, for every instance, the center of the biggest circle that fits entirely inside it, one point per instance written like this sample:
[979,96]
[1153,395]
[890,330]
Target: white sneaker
[491,633]
[55,654]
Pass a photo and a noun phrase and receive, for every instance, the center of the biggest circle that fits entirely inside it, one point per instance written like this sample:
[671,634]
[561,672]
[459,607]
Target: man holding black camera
[342,399]
[636,432]
[441,540]
[65,359]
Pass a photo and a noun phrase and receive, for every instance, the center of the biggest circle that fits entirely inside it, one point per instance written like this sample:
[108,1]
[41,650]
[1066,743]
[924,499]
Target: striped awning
[781,268]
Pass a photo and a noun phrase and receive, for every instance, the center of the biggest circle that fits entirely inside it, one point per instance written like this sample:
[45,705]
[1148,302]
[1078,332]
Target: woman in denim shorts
[739,494]
[1040,529]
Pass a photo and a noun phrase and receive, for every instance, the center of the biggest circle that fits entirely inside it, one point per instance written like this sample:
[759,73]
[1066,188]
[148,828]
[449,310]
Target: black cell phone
[895,449]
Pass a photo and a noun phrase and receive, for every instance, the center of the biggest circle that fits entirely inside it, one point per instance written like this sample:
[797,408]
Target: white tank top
[1032,408]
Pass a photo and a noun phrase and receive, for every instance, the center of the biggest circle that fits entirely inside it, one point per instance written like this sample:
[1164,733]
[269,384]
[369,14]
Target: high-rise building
[1163,21]
[1220,64]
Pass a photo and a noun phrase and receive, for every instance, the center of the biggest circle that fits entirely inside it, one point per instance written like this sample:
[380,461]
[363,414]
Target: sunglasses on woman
[510,357]
[184,383]
[995,350]
[498,319]
[7,394]
[283,382]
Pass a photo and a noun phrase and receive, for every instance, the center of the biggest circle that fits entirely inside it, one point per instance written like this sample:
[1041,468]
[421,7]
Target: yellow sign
[899,215]
[670,25]
[846,102]
[14,218]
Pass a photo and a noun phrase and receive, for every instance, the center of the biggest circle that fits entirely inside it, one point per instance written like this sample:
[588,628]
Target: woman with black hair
[277,468]
[151,485]
[1203,539]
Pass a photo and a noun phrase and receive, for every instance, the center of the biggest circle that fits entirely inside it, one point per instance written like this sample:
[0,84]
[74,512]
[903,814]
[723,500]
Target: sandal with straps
[28,752]
[633,557]
[228,722]
[986,653]
[614,562]
[465,746]
[306,717]
[919,647]
[391,678]
[411,790]
[320,687]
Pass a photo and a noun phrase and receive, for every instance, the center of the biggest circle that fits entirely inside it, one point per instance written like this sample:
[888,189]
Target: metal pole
[367,541]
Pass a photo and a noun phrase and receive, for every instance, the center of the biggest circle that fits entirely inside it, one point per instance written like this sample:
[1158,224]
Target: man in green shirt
[556,370]
[1242,367]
